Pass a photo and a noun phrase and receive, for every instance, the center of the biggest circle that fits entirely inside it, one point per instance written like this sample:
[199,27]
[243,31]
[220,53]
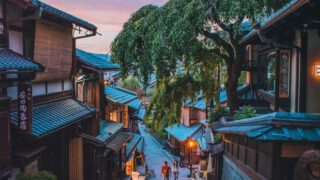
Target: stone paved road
[155,156]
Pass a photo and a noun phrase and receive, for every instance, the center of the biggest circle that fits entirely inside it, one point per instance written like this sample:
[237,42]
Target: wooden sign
[25,108]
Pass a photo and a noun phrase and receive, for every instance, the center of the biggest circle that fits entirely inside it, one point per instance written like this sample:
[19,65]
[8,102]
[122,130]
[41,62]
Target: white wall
[55,86]
[12,92]
[67,85]
[16,41]
[38,89]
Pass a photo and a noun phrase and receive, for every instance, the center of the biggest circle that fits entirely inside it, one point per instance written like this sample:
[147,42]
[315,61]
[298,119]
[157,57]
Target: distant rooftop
[97,61]
[119,95]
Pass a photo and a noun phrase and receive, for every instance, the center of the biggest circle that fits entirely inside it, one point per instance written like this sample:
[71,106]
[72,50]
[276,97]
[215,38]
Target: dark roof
[108,129]
[279,126]
[118,141]
[119,95]
[97,61]
[10,60]
[132,143]
[61,14]
[276,17]
[182,132]
[135,104]
[53,116]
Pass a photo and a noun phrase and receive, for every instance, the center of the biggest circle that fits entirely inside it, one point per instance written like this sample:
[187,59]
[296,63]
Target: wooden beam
[303,72]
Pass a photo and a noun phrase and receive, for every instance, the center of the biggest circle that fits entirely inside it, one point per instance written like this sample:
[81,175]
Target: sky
[107,15]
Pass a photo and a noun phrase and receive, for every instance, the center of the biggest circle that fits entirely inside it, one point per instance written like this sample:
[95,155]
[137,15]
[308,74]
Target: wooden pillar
[277,88]
[76,158]
[303,71]
[5,150]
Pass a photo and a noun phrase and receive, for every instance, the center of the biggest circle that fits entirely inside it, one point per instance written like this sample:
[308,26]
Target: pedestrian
[175,170]
[165,171]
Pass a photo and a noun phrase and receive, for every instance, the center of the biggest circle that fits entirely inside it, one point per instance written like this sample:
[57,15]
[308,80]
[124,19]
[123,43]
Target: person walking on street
[165,171]
[175,170]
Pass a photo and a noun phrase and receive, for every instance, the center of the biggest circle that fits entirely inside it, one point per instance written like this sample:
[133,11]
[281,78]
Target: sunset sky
[107,15]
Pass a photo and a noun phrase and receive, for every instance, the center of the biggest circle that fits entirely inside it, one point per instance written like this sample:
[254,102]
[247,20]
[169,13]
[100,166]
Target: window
[271,72]
[284,74]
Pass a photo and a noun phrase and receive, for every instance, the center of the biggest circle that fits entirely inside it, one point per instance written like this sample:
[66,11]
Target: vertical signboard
[25,108]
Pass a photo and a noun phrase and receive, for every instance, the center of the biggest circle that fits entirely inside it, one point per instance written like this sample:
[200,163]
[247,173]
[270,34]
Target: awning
[118,141]
[132,144]
[50,117]
[108,129]
[182,132]
[278,126]
[10,60]
[119,95]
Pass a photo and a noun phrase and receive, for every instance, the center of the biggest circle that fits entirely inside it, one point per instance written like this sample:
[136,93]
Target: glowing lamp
[191,143]
[317,70]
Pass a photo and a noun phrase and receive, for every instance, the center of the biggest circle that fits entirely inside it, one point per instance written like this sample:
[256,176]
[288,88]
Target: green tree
[188,32]
[131,82]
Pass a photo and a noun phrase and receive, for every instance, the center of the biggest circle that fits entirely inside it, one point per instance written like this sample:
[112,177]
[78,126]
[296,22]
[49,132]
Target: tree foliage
[195,35]
[131,82]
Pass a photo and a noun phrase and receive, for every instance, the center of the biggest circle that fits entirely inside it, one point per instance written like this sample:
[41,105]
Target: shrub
[41,175]
[245,112]
[216,114]
[217,138]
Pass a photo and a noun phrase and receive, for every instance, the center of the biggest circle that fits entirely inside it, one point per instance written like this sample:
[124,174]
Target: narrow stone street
[155,156]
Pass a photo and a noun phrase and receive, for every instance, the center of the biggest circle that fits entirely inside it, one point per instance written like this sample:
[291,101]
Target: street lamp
[191,143]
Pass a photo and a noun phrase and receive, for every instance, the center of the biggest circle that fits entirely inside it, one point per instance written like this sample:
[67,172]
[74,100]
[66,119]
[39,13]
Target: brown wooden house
[45,117]
[282,65]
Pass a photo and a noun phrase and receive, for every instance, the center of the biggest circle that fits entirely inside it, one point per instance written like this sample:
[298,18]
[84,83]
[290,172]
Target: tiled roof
[119,95]
[10,60]
[61,14]
[135,104]
[108,129]
[118,141]
[53,116]
[276,16]
[278,126]
[182,132]
[132,143]
[142,113]
[98,61]
[200,103]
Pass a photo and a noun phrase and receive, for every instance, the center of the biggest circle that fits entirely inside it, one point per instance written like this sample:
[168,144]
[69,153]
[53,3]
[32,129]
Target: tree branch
[217,52]
[220,41]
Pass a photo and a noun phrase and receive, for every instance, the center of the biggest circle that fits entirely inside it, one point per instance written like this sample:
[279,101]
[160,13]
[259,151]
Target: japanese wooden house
[45,117]
[110,150]
[282,64]
[123,106]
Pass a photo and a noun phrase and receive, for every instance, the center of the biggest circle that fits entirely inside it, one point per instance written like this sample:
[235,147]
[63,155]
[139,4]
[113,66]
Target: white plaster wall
[38,89]
[313,82]
[16,41]
[55,86]
[12,92]
[67,84]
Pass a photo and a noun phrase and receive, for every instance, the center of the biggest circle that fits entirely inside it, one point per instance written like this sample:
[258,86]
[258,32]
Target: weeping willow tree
[195,35]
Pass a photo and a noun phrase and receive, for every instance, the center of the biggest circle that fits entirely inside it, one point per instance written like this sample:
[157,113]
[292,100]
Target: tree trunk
[234,68]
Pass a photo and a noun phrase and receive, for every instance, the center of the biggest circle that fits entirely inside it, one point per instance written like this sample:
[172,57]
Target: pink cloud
[107,15]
